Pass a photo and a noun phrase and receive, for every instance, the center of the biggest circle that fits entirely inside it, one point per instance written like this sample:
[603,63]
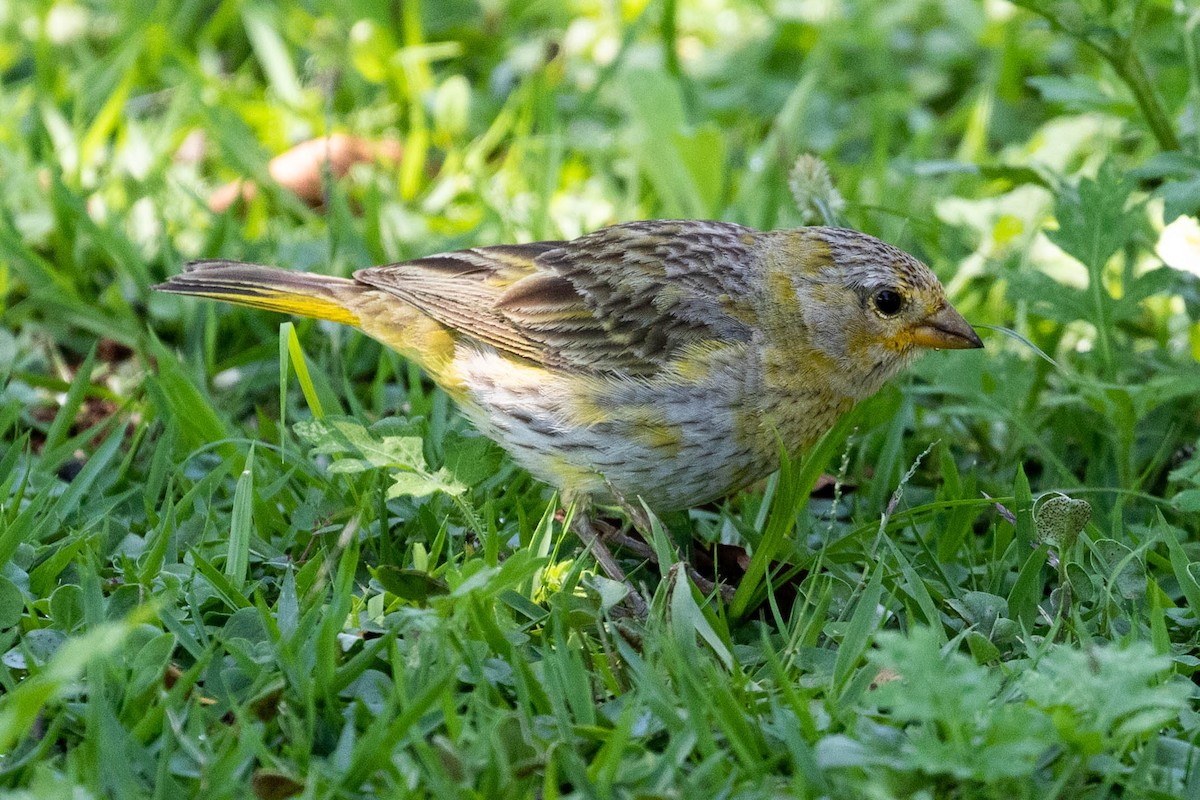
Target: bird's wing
[625,298]
[460,290]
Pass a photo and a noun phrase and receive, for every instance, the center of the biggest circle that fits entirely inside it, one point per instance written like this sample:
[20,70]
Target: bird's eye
[888,302]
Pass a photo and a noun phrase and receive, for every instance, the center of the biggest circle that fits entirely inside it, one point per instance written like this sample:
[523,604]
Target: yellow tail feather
[302,293]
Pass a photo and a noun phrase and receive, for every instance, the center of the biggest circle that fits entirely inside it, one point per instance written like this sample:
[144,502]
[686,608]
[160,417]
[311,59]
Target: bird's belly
[672,444]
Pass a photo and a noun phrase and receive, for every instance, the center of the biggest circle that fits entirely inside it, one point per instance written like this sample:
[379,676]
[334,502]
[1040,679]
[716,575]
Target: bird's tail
[303,293]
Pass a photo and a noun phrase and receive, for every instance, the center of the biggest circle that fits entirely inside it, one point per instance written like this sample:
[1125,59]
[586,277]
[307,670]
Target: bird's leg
[610,533]
[641,524]
[707,586]
[581,523]
[637,516]
[641,549]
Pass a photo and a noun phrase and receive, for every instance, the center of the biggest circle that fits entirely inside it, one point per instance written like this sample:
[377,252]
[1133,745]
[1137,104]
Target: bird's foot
[642,525]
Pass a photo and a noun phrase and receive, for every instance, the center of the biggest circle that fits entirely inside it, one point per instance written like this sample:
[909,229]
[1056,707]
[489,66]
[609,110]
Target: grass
[246,556]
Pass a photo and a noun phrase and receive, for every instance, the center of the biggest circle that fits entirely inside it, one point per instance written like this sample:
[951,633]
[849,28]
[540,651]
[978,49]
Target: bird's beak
[945,329]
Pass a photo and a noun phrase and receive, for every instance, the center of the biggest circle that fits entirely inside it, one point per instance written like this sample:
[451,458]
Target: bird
[660,360]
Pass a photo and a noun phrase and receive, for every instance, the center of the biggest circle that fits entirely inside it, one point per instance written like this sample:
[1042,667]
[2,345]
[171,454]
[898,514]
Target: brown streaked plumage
[659,359]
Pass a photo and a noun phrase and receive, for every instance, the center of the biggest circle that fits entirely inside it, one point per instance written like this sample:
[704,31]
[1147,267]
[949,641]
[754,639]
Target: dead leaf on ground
[300,169]
[269,784]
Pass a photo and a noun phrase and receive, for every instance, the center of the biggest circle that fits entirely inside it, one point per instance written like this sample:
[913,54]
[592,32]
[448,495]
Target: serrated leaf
[419,484]
[934,686]
[1101,693]
[1163,280]
[1048,297]
[345,436]
[348,466]
[1092,221]
[407,451]
[312,431]
[471,459]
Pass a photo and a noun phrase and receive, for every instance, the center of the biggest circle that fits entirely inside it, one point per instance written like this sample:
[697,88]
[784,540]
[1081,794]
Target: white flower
[1179,245]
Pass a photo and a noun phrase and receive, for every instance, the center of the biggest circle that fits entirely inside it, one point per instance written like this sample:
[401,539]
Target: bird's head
[870,308]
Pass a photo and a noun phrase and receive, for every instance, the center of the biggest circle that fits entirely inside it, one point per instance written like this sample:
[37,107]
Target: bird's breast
[802,395]
[678,439]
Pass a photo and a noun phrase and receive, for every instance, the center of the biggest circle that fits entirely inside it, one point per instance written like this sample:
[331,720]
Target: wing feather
[623,299]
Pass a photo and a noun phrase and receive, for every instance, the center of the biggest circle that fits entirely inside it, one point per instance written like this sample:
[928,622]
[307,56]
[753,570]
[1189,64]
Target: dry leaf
[300,169]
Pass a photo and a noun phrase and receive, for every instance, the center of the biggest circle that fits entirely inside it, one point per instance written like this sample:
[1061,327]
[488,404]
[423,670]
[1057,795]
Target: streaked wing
[625,298]
[461,289]
[629,297]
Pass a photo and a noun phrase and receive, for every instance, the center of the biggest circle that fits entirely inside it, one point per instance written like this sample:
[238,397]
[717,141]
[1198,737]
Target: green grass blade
[863,624]
[791,496]
[241,526]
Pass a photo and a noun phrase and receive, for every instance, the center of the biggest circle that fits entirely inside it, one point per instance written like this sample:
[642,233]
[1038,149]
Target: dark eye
[888,302]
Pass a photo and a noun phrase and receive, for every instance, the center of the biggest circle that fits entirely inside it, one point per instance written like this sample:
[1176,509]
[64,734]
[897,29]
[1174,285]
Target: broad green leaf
[1187,501]
[12,604]
[1180,197]
[666,154]
[409,584]
[264,31]
[1119,565]
[1026,593]
[21,708]
[688,619]
[1080,93]
[1059,519]
[348,437]
[863,624]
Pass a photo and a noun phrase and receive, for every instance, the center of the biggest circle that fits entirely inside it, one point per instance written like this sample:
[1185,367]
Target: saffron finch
[663,360]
